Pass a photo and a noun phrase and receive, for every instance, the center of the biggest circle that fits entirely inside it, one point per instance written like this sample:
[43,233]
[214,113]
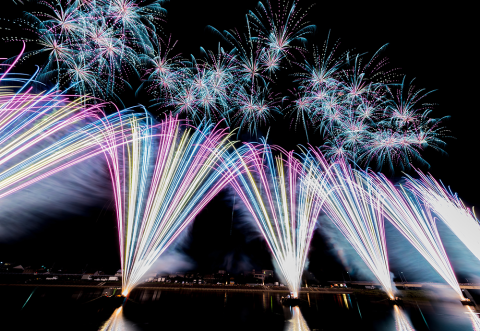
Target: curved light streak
[279,193]
[43,133]
[449,208]
[162,179]
[416,223]
[354,206]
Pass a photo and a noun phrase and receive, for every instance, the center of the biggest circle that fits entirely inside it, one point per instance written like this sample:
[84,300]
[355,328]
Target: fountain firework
[279,193]
[162,179]
[414,220]
[354,206]
[449,208]
[43,133]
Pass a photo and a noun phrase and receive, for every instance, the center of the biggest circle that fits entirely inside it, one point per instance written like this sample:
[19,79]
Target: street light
[404,284]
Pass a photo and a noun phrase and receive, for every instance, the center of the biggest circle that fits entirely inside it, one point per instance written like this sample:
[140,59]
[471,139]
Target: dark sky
[432,43]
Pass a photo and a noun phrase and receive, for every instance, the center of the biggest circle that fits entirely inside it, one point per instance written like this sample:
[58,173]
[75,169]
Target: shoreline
[419,294]
[409,297]
[192,288]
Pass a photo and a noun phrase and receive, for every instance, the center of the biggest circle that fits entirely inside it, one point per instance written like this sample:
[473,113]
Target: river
[69,308]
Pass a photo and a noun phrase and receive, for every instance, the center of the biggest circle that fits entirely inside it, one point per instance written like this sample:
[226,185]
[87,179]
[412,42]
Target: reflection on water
[297,322]
[474,318]
[402,322]
[117,322]
[346,300]
[343,300]
[85,309]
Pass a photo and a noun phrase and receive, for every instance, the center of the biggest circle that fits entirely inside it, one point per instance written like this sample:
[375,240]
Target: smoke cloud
[62,195]
[341,248]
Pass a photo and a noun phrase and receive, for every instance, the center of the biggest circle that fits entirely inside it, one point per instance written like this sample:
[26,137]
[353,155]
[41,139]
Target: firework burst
[93,46]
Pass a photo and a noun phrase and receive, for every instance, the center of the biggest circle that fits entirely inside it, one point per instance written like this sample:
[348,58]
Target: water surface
[65,308]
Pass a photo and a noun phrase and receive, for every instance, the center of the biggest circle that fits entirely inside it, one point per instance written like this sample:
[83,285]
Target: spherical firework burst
[94,46]
[379,124]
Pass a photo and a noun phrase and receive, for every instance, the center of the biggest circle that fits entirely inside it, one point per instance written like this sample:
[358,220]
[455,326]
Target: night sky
[434,44]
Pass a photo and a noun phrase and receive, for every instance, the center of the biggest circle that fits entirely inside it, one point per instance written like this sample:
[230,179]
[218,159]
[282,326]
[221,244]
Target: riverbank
[409,296]
[157,286]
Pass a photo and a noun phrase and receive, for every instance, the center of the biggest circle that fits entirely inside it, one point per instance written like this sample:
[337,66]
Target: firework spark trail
[449,208]
[162,179]
[277,29]
[84,143]
[402,322]
[354,206]
[414,220]
[280,195]
[114,322]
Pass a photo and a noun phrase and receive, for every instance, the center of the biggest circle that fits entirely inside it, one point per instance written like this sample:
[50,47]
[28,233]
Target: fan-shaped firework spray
[414,220]
[43,133]
[162,179]
[354,206]
[449,208]
[279,193]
